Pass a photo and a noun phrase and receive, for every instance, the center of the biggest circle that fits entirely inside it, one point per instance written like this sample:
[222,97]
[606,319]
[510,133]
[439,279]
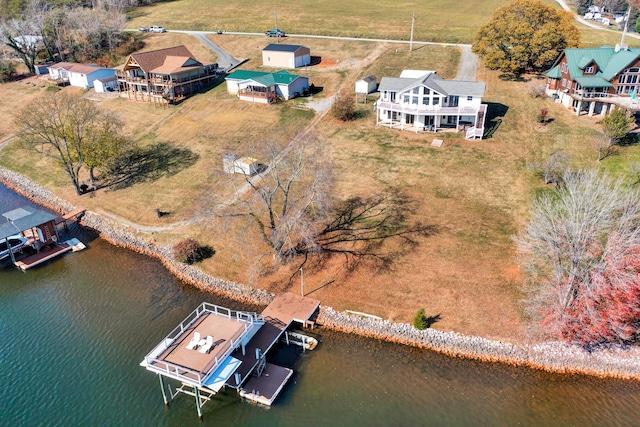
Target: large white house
[79,75]
[423,101]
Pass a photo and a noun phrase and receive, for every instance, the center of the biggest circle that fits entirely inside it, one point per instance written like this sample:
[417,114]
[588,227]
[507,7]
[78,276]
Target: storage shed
[366,85]
[244,165]
[286,56]
[107,84]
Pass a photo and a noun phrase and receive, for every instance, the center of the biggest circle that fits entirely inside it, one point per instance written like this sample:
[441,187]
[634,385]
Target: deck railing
[248,319]
[427,109]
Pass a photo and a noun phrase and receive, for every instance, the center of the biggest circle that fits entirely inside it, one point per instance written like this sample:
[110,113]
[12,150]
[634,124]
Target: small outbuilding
[244,165]
[107,84]
[286,56]
[365,86]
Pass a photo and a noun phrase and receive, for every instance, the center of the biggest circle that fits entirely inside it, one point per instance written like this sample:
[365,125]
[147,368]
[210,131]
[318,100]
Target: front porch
[470,121]
[259,94]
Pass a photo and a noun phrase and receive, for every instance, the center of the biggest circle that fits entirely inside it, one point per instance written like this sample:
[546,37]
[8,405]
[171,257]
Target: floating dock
[215,347]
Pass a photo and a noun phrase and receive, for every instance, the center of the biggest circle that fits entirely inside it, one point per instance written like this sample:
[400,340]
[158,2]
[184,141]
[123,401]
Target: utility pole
[413,20]
[626,25]
[301,281]
[275,14]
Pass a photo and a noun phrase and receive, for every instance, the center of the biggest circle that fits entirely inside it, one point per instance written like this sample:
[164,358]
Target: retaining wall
[550,356]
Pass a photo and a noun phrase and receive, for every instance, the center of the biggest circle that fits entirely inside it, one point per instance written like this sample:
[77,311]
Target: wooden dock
[73,215]
[43,256]
[238,360]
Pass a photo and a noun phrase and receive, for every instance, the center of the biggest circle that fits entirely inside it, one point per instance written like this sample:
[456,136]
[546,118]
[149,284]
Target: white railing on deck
[249,319]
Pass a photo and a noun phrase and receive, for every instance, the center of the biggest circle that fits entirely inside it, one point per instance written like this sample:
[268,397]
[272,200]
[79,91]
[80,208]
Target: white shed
[366,85]
[106,84]
[244,165]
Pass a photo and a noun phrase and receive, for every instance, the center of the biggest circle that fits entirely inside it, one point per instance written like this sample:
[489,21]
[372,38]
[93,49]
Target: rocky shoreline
[549,356]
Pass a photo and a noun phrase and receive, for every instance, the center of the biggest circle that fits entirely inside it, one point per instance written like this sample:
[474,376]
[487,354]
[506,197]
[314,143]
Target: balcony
[427,110]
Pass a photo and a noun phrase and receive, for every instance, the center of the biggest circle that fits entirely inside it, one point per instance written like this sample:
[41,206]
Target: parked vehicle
[157,29]
[275,33]
[143,29]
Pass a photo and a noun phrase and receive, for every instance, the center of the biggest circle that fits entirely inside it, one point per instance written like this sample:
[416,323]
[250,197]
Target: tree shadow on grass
[495,113]
[149,164]
[511,77]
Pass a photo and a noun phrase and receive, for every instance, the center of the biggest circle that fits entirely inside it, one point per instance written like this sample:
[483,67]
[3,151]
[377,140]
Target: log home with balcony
[422,101]
[595,81]
[164,75]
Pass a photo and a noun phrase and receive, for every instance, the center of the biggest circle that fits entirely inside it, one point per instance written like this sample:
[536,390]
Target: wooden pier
[215,347]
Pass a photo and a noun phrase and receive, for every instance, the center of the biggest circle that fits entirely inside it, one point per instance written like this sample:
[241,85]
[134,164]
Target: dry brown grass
[475,193]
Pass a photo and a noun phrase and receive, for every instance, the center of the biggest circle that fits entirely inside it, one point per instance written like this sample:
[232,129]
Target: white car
[157,29]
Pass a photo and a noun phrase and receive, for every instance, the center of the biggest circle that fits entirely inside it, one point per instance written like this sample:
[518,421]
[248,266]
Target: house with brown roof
[79,75]
[166,75]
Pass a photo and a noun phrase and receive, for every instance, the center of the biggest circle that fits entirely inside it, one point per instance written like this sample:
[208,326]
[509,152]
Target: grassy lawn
[435,20]
[475,194]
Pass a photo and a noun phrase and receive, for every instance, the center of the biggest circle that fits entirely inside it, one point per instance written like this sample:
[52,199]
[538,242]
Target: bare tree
[579,253]
[285,202]
[23,37]
[70,130]
[290,208]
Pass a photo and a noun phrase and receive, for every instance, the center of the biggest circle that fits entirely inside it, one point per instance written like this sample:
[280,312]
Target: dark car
[144,29]
[275,33]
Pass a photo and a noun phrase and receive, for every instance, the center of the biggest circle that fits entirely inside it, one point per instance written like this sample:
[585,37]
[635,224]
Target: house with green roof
[596,80]
[264,87]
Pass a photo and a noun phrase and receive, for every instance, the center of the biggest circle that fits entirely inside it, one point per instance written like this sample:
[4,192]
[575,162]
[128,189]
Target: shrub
[420,320]
[537,90]
[190,251]
[343,107]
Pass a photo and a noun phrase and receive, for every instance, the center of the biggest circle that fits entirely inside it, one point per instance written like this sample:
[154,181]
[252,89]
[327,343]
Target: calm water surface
[73,332]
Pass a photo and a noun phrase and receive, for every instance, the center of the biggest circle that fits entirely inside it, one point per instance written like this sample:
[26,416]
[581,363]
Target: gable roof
[368,79]
[264,78]
[76,68]
[610,63]
[433,82]
[283,47]
[174,64]
[154,59]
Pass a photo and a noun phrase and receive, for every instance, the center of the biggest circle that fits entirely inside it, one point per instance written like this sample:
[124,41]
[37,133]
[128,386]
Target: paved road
[592,24]
[225,60]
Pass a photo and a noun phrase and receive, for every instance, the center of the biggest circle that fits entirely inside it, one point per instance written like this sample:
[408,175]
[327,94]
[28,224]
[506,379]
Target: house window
[427,91]
[564,68]
[414,100]
[436,100]
[588,70]
[416,90]
[564,82]
[405,98]
[469,98]
[621,78]
[632,78]
[425,100]
[392,96]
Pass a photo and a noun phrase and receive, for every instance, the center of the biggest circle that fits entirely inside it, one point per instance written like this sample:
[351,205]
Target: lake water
[74,331]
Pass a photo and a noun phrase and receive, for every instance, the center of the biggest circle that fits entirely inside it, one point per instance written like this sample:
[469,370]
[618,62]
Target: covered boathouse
[215,347]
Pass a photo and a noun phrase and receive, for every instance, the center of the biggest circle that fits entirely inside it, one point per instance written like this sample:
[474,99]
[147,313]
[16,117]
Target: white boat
[304,341]
[16,242]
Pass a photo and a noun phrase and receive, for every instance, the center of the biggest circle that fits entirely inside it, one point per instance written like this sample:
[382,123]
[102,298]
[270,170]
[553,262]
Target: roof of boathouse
[23,218]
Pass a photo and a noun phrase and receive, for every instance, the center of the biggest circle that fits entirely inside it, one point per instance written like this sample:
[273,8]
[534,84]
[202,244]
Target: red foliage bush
[608,309]
[187,251]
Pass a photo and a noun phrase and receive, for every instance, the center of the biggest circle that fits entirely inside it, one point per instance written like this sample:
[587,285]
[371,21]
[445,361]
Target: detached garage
[286,56]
